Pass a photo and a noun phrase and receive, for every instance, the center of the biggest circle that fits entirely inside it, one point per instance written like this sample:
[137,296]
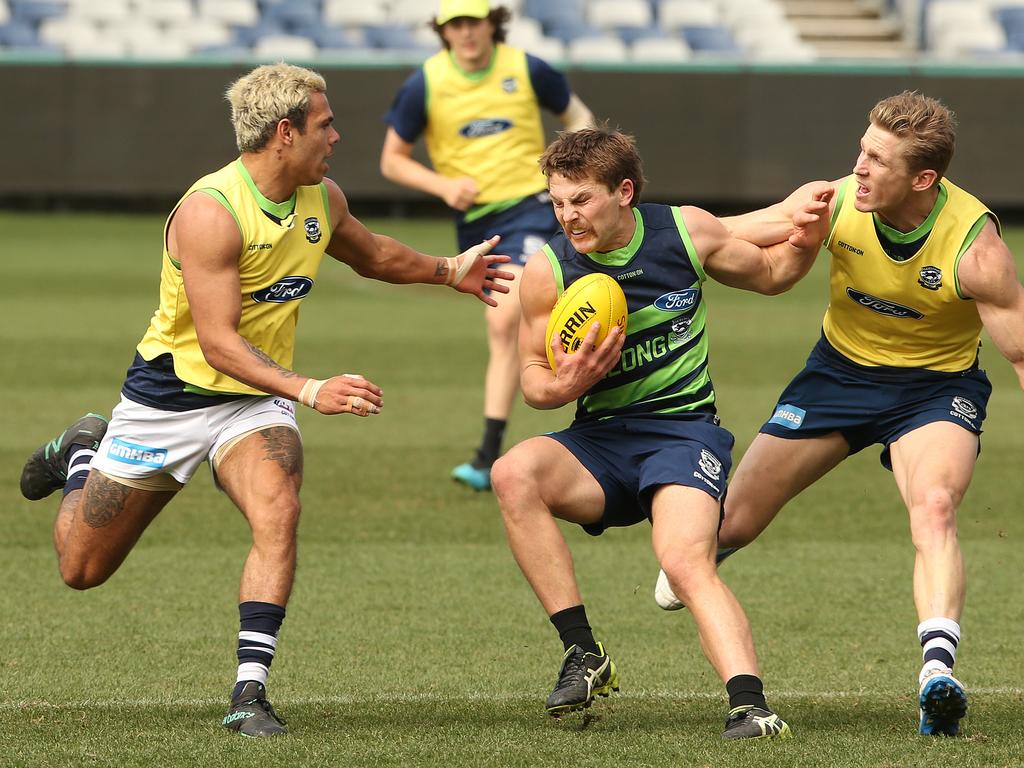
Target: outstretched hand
[349,393]
[474,271]
[811,221]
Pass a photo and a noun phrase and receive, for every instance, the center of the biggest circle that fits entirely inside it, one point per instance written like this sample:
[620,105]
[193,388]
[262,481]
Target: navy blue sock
[258,626]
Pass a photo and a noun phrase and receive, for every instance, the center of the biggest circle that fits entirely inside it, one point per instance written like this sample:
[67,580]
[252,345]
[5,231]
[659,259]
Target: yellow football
[593,298]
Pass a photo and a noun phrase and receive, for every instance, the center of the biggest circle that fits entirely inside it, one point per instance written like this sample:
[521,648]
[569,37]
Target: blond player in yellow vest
[918,269]
[212,378]
[477,103]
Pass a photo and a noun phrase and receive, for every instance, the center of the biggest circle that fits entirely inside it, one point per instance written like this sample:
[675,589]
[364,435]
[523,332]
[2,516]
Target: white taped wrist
[309,391]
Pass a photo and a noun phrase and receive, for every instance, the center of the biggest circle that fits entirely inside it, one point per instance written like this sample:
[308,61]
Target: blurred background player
[211,378]
[646,443]
[918,269]
[477,104]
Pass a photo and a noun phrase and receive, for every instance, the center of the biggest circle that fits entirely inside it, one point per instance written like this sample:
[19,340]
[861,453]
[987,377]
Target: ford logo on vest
[484,127]
[881,306]
[677,301]
[285,289]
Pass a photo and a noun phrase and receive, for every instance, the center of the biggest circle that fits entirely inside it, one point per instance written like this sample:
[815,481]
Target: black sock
[490,448]
[746,690]
[574,629]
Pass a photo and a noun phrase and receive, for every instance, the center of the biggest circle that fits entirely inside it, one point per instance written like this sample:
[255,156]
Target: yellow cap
[453,9]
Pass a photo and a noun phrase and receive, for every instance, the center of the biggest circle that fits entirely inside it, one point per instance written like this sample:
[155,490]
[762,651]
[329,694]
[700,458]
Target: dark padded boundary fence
[711,135]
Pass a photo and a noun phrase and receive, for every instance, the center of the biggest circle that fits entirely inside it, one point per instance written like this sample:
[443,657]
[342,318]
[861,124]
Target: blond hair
[927,123]
[267,95]
[601,153]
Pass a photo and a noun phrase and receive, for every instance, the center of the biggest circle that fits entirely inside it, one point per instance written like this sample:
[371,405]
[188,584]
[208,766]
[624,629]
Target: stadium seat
[563,11]
[18,34]
[235,13]
[32,13]
[568,31]
[201,34]
[335,38]
[293,15]
[398,37]
[411,12]
[5,13]
[630,35]
[550,49]
[619,13]
[248,36]
[659,50]
[354,13]
[524,32]
[99,47]
[287,47]
[596,49]
[711,39]
[165,11]
[100,10]
[675,14]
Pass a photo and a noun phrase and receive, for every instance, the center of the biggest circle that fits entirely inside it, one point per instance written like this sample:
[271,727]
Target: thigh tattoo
[104,500]
[281,445]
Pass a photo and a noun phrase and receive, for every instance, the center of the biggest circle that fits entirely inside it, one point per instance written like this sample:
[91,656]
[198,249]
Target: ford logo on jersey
[678,301]
[487,126]
[881,306]
[285,289]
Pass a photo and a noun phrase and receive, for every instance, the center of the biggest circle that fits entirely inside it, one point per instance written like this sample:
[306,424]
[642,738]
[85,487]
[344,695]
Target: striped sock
[259,624]
[939,639]
[79,460]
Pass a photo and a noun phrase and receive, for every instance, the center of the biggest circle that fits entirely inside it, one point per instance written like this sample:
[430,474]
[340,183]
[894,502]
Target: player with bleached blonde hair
[212,378]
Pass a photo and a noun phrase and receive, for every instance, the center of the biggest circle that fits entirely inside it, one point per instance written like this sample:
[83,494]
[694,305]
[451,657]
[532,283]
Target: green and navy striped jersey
[664,364]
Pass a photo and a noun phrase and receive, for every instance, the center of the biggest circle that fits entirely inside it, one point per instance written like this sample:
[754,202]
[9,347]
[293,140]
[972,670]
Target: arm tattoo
[442,268]
[281,445]
[267,360]
[104,500]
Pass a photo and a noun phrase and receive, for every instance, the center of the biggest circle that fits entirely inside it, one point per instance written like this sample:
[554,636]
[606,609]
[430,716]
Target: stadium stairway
[839,29]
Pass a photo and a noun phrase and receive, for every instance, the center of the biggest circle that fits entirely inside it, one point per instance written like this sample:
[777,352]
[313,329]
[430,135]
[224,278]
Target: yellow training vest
[277,266]
[904,314]
[485,125]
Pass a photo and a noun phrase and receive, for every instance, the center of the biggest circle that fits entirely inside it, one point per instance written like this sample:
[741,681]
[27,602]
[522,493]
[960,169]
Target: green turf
[411,638]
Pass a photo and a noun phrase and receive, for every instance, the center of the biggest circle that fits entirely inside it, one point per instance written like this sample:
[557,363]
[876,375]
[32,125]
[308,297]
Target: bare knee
[513,483]
[81,574]
[933,519]
[689,577]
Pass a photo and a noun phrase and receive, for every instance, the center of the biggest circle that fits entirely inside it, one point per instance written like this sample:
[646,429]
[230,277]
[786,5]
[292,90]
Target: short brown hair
[929,125]
[605,154]
[499,18]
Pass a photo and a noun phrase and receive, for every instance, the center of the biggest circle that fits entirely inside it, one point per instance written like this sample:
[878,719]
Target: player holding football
[918,269]
[212,375]
[645,443]
[483,133]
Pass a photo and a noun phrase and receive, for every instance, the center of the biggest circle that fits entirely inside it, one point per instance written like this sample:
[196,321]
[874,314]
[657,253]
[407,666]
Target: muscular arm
[774,224]
[767,269]
[383,258]
[578,372]
[398,165]
[988,275]
[576,115]
[205,239]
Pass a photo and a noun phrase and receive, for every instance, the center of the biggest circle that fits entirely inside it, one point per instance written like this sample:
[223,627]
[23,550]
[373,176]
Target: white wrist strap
[309,391]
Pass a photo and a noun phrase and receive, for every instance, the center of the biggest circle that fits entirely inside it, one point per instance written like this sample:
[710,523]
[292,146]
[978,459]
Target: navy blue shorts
[524,228]
[632,456]
[874,405]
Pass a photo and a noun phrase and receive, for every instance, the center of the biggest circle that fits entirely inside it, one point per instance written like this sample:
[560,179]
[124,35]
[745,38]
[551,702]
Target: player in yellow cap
[477,104]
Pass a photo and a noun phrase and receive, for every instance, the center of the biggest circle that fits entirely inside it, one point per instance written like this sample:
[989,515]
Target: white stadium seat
[619,13]
[673,14]
[236,13]
[659,49]
[354,12]
[285,47]
[595,49]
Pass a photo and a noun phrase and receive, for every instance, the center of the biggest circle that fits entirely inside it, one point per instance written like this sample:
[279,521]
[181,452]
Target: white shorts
[143,442]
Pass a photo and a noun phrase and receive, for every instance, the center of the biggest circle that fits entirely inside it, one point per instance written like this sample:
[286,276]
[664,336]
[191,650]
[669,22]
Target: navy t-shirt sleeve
[408,113]
[549,84]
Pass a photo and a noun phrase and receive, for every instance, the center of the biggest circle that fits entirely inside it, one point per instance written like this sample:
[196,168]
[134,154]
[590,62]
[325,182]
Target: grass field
[412,639]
